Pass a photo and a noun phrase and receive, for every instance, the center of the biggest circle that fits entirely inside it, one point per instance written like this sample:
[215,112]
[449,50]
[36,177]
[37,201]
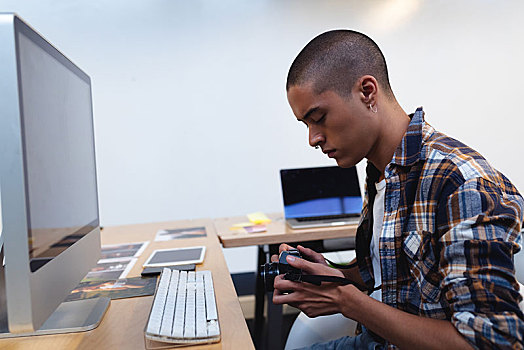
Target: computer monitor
[48,187]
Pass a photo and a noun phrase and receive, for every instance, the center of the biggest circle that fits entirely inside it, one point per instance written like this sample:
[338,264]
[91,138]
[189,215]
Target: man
[440,225]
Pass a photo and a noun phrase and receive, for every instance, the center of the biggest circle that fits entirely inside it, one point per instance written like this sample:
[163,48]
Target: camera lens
[269,272]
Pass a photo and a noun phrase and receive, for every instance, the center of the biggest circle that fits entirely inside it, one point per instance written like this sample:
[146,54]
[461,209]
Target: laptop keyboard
[327,217]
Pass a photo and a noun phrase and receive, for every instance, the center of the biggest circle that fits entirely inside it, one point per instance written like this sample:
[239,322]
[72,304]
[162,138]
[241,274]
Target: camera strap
[318,279]
[340,266]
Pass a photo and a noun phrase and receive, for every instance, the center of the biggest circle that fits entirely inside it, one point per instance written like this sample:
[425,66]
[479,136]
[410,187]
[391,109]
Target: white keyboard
[184,309]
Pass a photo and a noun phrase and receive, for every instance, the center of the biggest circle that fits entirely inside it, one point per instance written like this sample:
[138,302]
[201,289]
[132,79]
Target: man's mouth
[330,152]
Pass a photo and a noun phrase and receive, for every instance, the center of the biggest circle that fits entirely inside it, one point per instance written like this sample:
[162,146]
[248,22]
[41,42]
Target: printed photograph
[110,270]
[122,288]
[127,250]
[180,233]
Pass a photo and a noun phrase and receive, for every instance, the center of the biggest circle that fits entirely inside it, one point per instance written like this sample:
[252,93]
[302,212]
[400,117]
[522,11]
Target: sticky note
[258,218]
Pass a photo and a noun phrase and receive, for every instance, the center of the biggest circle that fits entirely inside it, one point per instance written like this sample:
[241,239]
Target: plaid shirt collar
[409,150]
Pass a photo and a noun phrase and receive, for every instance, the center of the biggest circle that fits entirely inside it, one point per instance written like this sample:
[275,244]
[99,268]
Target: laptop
[322,196]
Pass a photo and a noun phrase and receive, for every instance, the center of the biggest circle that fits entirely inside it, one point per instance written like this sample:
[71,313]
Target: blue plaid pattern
[451,227]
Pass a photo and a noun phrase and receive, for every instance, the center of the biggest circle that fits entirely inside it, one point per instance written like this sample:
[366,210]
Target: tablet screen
[177,256]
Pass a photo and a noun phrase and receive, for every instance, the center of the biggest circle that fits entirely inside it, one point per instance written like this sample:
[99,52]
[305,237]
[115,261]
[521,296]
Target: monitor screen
[58,146]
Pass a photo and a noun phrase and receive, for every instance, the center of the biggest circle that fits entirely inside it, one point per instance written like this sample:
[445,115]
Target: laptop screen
[324,191]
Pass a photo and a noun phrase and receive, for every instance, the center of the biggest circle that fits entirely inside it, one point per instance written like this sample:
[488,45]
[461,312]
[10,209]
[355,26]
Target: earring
[373,109]
[317,147]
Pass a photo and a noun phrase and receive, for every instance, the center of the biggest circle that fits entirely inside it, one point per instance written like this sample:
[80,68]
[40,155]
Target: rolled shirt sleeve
[481,234]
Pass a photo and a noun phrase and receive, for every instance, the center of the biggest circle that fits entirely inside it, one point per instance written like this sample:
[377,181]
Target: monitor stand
[72,316]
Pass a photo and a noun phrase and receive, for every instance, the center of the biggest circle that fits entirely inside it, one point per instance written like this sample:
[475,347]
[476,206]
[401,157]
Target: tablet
[176,256]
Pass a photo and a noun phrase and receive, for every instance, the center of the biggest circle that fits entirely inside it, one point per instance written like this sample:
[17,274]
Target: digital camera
[270,270]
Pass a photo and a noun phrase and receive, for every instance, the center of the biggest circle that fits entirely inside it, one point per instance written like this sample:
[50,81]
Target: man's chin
[345,163]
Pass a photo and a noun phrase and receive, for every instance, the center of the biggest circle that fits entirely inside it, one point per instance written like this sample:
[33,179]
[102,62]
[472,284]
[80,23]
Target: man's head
[334,61]
[338,86]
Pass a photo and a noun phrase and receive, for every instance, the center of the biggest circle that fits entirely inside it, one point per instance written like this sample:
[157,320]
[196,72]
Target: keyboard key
[212,328]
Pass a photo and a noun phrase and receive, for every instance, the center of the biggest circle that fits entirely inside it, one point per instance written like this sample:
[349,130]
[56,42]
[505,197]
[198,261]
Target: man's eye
[320,120]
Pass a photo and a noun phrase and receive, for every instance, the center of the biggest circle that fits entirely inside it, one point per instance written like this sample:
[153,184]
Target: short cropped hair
[334,60]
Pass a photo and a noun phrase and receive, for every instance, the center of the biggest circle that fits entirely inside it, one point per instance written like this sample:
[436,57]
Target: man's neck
[394,123]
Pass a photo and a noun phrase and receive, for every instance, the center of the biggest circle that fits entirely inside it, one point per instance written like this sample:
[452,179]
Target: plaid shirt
[451,227]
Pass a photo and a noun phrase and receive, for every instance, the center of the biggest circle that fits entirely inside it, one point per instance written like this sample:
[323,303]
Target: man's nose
[315,137]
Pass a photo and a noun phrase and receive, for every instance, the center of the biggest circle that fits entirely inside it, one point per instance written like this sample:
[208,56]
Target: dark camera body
[272,270]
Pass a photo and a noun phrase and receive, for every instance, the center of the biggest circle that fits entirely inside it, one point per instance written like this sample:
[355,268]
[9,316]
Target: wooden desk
[277,232]
[123,325]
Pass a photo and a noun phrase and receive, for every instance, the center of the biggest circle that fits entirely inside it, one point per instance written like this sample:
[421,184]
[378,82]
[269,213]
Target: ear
[368,87]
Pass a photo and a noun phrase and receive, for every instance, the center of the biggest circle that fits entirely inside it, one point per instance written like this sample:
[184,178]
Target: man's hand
[399,327]
[311,299]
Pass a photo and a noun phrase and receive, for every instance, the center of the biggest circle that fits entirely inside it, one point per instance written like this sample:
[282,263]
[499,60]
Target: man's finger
[284,247]
[301,264]
[310,253]
[282,297]
[305,251]
[284,285]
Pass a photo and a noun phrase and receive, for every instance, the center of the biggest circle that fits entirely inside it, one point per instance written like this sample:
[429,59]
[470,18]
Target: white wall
[189,99]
